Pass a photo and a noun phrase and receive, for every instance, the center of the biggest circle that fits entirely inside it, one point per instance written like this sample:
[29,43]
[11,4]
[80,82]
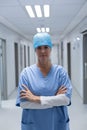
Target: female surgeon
[44,91]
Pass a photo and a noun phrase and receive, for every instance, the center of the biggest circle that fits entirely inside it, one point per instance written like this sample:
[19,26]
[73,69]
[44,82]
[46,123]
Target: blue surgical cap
[42,39]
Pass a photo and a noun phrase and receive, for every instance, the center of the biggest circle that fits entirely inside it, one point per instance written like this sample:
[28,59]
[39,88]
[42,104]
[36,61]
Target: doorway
[85,68]
[28,56]
[69,58]
[16,64]
[62,53]
[24,56]
[0,69]
[3,70]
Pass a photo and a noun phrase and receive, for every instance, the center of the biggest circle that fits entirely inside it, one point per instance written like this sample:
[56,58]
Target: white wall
[32,55]
[76,57]
[54,54]
[76,65]
[10,66]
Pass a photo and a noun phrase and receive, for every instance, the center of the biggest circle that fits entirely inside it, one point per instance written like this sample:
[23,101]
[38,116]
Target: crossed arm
[42,102]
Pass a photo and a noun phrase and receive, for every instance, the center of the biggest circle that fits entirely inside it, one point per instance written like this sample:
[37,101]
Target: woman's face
[43,54]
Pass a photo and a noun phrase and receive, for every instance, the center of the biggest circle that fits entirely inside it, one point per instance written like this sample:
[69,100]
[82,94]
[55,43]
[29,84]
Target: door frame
[3,63]
[69,58]
[85,68]
[16,63]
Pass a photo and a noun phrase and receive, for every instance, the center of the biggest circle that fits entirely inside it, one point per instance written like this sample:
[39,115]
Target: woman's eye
[46,47]
[39,48]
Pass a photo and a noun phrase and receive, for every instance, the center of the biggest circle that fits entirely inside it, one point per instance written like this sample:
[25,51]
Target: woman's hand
[27,94]
[61,90]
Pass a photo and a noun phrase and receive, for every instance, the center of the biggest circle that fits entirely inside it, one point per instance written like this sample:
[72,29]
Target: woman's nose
[42,50]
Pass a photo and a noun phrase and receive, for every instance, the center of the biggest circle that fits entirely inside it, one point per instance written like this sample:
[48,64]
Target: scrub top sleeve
[22,80]
[65,81]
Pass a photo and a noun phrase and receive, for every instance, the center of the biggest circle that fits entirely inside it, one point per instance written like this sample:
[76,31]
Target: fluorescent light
[43,29]
[38,30]
[46,10]
[38,10]
[30,11]
[47,29]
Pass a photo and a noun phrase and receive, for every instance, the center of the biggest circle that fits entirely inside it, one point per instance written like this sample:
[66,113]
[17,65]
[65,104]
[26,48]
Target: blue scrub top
[55,118]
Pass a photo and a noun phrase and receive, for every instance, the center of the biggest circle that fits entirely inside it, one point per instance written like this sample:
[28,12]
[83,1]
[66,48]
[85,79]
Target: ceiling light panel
[38,10]
[43,29]
[30,11]
[47,29]
[46,10]
[38,30]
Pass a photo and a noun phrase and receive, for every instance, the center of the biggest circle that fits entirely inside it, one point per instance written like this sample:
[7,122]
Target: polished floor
[10,115]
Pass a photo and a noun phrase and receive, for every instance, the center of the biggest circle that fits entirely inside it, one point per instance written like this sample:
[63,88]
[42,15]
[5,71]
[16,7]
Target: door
[0,69]
[62,53]
[16,63]
[24,56]
[3,70]
[28,56]
[85,68]
[69,58]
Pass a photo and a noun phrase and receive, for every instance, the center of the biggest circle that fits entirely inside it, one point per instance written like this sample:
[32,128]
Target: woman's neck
[44,68]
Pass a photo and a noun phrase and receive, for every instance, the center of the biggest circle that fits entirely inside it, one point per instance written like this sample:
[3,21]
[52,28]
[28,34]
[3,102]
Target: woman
[44,91]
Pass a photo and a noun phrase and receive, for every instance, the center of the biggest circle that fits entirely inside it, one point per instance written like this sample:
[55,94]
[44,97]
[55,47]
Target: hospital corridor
[66,22]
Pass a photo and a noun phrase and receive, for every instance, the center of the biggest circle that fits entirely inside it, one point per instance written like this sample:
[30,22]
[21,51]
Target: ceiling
[64,16]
